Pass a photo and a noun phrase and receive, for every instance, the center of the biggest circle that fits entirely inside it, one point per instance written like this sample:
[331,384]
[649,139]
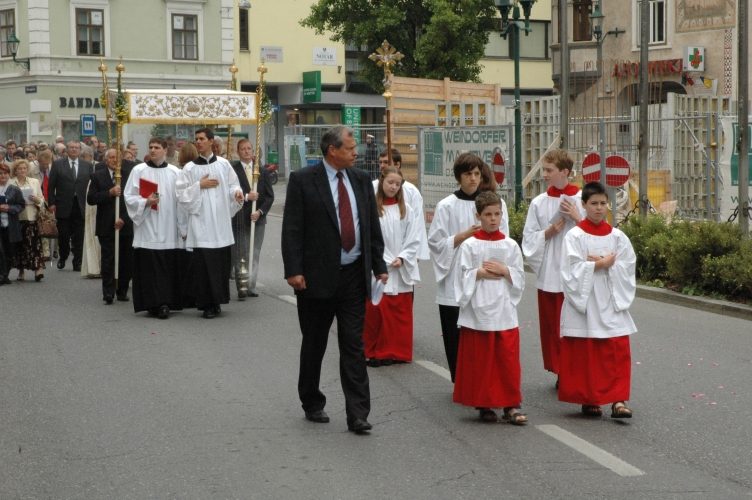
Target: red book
[146,188]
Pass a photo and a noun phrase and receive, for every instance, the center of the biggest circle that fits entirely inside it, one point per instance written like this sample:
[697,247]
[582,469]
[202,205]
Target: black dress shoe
[164,312]
[61,264]
[242,294]
[77,268]
[217,309]
[108,299]
[5,281]
[318,416]
[123,297]
[252,294]
[209,313]
[359,426]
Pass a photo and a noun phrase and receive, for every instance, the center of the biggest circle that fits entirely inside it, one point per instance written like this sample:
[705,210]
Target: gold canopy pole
[262,116]
[121,115]
[233,84]
[105,101]
[387,56]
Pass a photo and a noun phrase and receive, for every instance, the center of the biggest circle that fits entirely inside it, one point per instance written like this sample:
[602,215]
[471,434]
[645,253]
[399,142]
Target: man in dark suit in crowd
[104,194]
[69,177]
[331,247]
[241,221]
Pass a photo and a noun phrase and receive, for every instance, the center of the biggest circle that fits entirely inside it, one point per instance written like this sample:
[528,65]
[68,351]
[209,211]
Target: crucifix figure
[387,56]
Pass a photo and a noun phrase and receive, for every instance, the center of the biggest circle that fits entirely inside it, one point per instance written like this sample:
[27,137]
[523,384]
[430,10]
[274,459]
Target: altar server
[388,329]
[489,282]
[549,217]
[598,277]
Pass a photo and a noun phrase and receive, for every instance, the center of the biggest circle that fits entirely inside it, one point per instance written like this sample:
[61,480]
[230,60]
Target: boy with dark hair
[598,278]
[489,283]
[550,216]
[453,222]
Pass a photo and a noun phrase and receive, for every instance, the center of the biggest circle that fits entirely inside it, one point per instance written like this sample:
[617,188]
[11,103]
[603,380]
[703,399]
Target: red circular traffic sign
[498,166]
[617,171]
[591,167]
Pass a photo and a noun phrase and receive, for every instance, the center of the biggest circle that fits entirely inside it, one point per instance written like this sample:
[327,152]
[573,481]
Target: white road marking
[289,299]
[578,444]
[591,451]
[438,370]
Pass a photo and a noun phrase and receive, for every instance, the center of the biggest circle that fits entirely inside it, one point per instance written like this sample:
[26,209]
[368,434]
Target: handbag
[46,223]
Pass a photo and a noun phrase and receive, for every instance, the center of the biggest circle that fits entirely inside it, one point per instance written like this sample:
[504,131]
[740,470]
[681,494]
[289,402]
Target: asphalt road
[97,402]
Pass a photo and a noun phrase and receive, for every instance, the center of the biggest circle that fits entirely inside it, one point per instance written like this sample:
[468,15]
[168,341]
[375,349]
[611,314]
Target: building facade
[56,79]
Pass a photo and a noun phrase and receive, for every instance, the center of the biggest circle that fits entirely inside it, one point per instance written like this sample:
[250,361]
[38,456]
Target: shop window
[90,32]
[7,28]
[581,10]
[185,37]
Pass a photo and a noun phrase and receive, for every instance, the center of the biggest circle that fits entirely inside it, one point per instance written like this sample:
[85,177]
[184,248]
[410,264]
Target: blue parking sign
[88,125]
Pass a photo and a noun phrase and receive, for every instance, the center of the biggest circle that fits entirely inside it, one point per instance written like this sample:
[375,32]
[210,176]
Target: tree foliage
[439,38]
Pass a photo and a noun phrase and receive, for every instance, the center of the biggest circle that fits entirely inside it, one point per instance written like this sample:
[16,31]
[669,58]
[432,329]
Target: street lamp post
[512,28]
[13,42]
[597,26]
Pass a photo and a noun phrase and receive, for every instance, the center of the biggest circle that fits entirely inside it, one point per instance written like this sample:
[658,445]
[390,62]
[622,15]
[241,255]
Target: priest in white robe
[209,194]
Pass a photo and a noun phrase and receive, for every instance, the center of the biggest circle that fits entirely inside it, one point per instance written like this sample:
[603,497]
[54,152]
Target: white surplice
[154,229]
[451,216]
[415,200]
[208,211]
[596,303]
[487,304]
[544,256]
[401,239]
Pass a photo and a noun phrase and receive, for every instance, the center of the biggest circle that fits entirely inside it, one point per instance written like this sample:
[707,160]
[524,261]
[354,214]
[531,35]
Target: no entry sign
[498,166]
[591,167]
[617,171]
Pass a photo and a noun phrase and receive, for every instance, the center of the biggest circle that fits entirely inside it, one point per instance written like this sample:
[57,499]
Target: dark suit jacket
[99,187]
[311,243]
[264,189]
[63,186]
[15,200]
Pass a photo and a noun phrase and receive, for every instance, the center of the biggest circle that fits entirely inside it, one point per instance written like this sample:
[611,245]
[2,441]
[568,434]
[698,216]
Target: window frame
[244,32]
[184,31]
[667,22]
[6,30]
[90,26]
[185,9]
[582,30]
[102,5]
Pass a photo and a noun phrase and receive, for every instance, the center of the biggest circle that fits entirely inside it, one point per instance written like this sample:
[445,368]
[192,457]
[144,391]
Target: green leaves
[439,38]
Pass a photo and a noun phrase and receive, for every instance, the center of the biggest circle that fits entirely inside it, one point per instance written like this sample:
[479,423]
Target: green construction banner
[735,157]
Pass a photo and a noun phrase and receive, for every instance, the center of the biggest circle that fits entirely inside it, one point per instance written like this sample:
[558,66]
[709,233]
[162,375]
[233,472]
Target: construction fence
[690,157]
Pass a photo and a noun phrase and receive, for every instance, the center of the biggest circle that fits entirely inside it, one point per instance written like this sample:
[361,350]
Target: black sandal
[488,415]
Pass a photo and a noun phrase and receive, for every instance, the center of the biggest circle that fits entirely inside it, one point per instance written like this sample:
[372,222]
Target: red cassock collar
[569,190]
[390,201]
[602,229]
[495,236]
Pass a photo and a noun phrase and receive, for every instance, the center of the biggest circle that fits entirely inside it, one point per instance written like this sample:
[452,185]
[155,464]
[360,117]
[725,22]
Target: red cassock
[488,369]
[549,316]
[595,371]
[388,328]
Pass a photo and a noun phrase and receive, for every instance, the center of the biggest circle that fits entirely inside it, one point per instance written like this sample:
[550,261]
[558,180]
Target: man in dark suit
[104,193]
[241,221]
[69,177]
[331,247]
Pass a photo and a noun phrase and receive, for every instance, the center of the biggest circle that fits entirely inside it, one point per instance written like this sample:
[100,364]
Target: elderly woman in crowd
[29,252]
[11,204]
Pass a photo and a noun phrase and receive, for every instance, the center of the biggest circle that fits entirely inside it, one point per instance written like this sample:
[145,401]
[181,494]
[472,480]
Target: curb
[702,303]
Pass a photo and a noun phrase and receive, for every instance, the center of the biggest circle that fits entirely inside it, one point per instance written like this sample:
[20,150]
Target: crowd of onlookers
[24,191]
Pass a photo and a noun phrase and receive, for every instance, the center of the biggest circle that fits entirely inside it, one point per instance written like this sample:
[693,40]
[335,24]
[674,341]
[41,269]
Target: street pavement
[98,402]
